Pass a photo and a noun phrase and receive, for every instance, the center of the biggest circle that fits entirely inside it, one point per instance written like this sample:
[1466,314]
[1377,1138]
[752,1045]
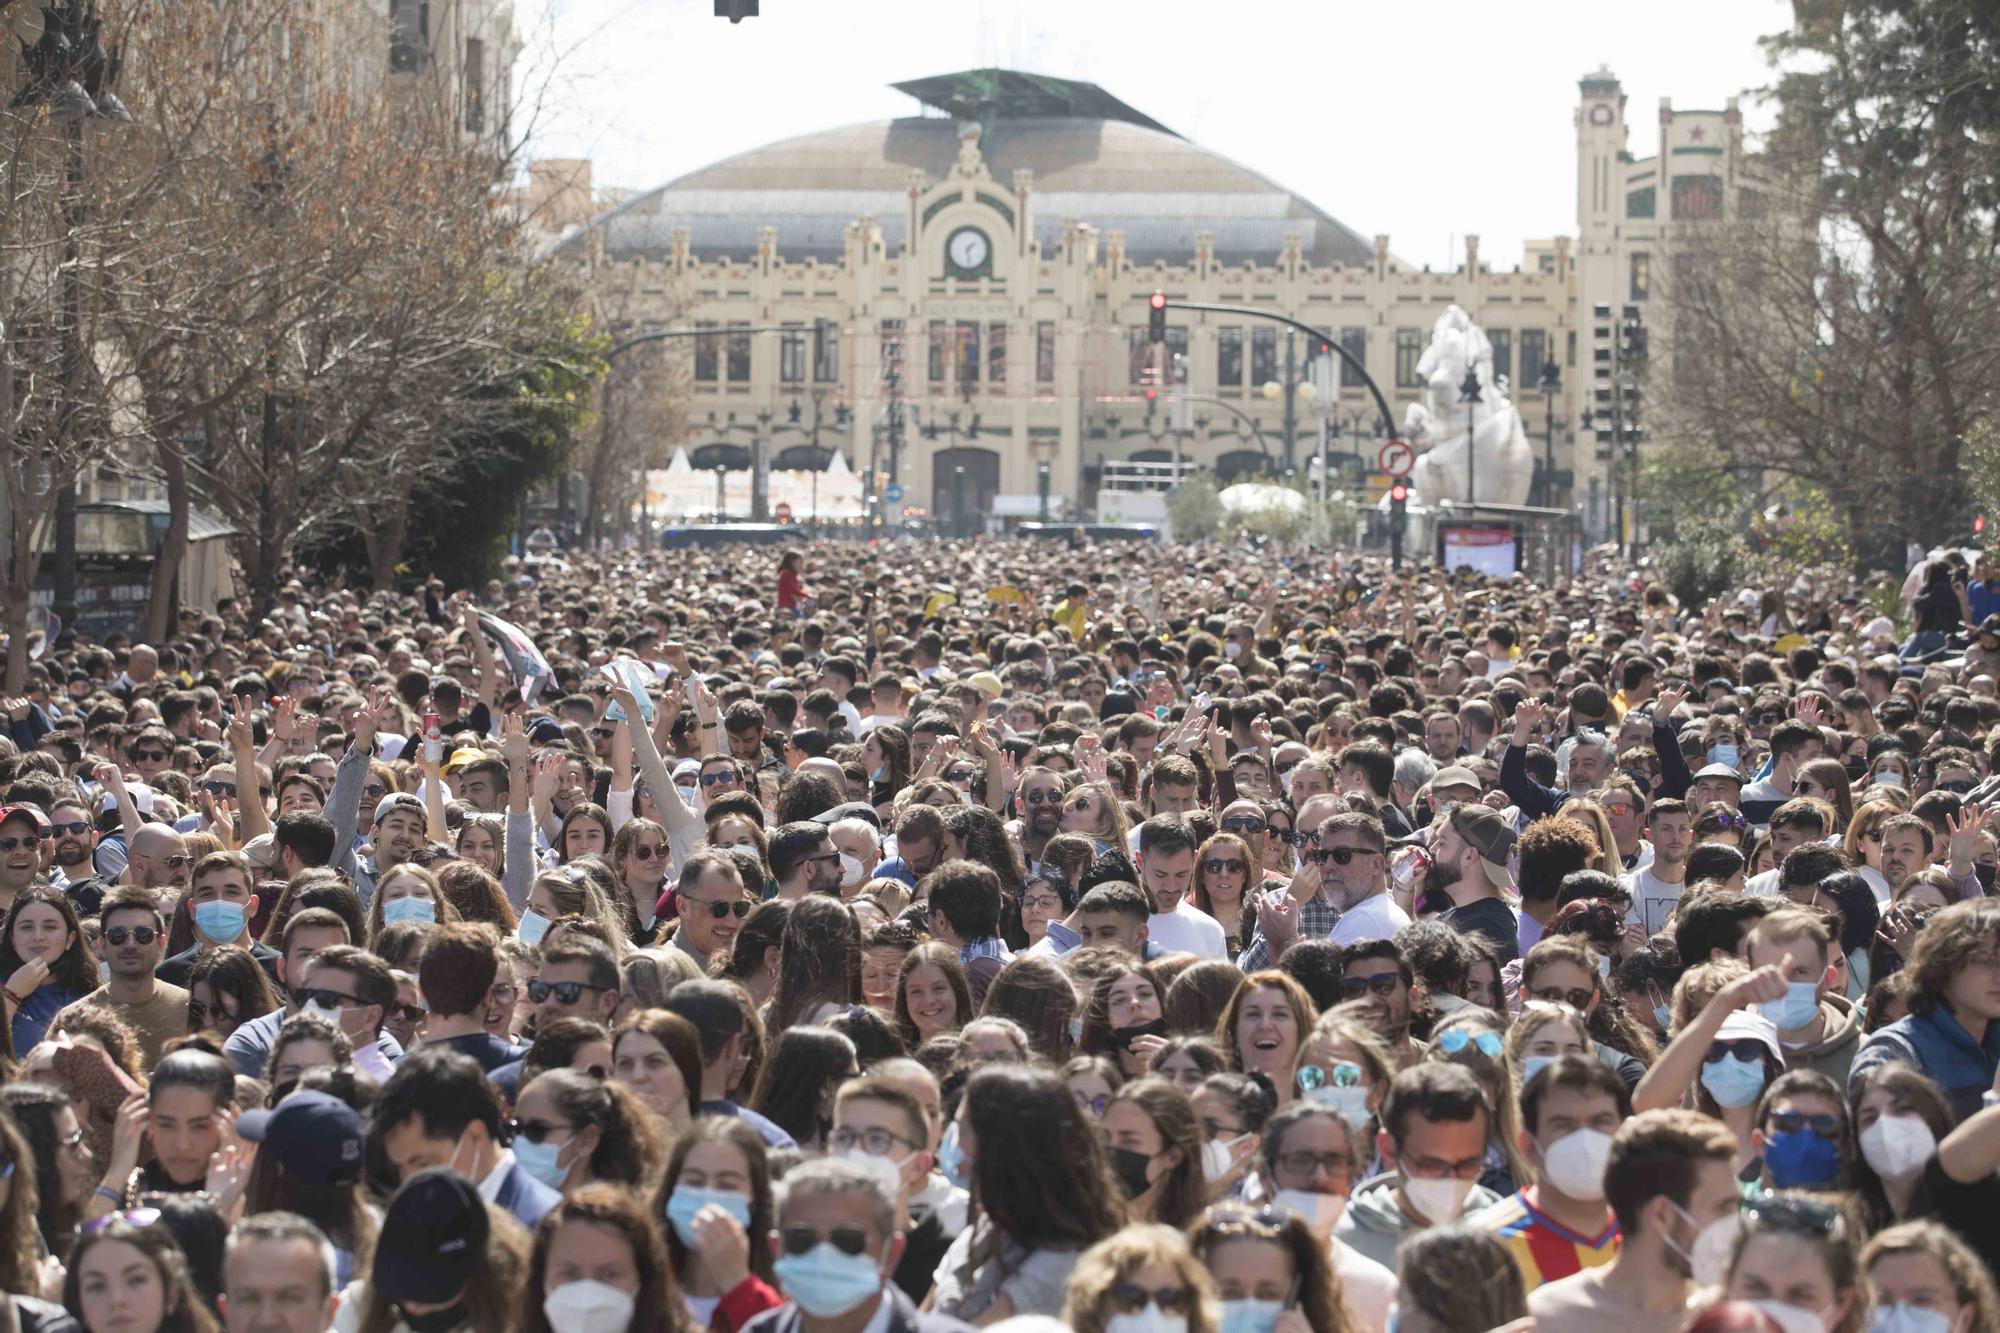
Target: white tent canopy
[677,491]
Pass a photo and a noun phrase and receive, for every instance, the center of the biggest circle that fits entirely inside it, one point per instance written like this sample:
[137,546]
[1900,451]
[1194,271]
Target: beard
[1438,879]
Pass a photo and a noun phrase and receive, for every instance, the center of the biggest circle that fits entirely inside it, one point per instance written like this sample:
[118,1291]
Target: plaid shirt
[1316,921]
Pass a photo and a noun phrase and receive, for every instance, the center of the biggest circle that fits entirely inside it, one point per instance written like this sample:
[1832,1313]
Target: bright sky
[1425,132]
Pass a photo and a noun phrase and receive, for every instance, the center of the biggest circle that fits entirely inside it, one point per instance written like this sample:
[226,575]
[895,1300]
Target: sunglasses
[566,992]
[1042,796]
[199,1013]
[8,844]
[374,789]
[537,1131]
[1340,856]
[74,829]
[1789,1213]
[1577,999]
[149,756]
[649,851]
[1956,788]
[219,788]
[717,779]
[719,907]
[1130,1298]
[849,1240]
[1826,1126]
[326,999]
[1457,1039]
[1743,1048]
[1383,984]
[115,936]
[1223,864]
[604,733]
[1244,824]
[409,1013]
[1343,1074]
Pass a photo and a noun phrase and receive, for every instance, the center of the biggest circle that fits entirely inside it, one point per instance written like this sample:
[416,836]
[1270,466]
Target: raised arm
[482,654]
[685,829]
[112,778]
[1680,1064]
[343,803]
[519,871]
[249,794]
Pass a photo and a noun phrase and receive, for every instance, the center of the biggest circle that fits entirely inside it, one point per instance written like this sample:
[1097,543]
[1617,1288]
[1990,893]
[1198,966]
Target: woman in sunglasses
[46,962]
[128,1275]
[1470,1040]
[1797,1261]
[571,1130]
[1224,870]
[1565,969]
[1863,845]
[638,860]
[1271,1274]
[1345,1067]
[1145,1277]
[226,989]
[1826,780]
[716,1199]
[1093,809]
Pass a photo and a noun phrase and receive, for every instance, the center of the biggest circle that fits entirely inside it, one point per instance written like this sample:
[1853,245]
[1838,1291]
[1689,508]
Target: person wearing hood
[1436,1120]
[1818,1029]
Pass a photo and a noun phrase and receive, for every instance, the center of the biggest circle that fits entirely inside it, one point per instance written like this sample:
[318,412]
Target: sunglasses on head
[848,1240]
[1383,984]
[566,992]
[115,936]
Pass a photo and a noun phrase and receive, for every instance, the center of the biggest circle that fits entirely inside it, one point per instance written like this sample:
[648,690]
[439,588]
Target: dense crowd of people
[909,937]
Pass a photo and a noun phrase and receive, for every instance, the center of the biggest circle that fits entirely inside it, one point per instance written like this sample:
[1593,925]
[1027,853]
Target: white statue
[1438,428]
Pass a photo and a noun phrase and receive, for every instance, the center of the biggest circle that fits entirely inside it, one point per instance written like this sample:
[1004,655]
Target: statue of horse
[1444,437]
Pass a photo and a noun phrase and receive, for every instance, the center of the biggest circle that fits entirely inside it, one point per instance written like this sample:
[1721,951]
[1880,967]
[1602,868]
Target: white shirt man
[1166,873]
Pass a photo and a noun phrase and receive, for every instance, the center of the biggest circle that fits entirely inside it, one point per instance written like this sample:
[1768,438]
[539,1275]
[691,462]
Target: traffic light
[1156,319]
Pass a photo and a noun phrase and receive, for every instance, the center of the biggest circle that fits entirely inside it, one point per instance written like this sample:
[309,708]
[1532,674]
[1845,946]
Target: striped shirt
[1543,1248]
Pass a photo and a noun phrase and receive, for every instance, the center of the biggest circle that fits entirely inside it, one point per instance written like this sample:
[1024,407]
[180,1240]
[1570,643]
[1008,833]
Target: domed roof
[1112,170]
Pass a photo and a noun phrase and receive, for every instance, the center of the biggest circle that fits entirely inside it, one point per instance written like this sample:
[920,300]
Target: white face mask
[851,871]
[1217,1157]
[588,1306]
[1709,1258]
[1437,1201]
[1152,1319]
[1791,1318]
[1575,1163]
[1320,1212]
[1897,1146]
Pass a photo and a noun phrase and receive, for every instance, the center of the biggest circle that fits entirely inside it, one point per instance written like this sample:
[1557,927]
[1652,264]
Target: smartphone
[1202,702]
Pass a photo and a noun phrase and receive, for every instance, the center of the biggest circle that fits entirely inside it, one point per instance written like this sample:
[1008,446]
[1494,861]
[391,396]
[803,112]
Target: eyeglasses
[1217,865]
[647,851]
[1244,824]
[325,998]
[1340,856]
[876,1142]
[1383,984]
[115,936]
[719,907]
[1743,1048]
[136,1217]
[1457,1039]
[1822,1124]
[1042,902]
[566,992]
[717,779]
[1577,999]
[1094,1105]
[849,1240]
[537,1131]
[1342,1074]
[1305,1165]
[74,829]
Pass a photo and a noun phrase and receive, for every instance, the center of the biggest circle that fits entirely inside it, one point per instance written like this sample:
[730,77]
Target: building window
[1045,353]
[826,356]
[1409,351]
[1263,356]
[1355,343]
[1534,349]
[1697,198]
[1639,203]
[475,85]
[1642,276]
[966,360]
[996,353]
[706,360]
[891,345]
[937,351]
[739,352]
[1503,354]
[792,354]
[409,35]
[1229,358]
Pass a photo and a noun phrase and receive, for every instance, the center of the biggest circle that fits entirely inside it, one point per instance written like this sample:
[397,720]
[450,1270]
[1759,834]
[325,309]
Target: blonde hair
[1117,1257]
[1499,1075]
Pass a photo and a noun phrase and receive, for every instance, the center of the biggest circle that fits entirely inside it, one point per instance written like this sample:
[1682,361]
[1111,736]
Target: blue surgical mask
[1907,1319]
[826,1282]
[408,909]
[1532,1065]
[1250,1316]
[687,1200]
[1723,754]
[1732,1082]
[219,922]
[1796,1010]
[951,1159]
[540,1160]
[1662,1015]
[1799,1159]
[532,927]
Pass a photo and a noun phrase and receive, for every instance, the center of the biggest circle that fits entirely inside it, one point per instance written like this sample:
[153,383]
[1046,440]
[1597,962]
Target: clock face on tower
[1601,114]
[967,251]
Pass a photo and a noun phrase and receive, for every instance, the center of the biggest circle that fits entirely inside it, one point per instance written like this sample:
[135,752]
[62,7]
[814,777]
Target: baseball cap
[459,759]
[546,731]
[315,1136]
[431,1238]
[32,814]
[400,800]
[1490,837]
[986,683]
[1720,771]
[1457,775]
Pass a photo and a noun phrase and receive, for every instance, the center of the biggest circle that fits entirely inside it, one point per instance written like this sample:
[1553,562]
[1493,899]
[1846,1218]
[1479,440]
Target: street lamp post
[721,483]
[958,501]
[1550,383]
[1042,490]
[1468,393]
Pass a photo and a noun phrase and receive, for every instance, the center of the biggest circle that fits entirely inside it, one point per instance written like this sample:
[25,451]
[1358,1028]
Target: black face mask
[1987,875]
[1130,1165]
[1124,1036]
[437,1321]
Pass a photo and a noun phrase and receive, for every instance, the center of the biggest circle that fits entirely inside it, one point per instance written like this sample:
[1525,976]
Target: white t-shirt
[1879,885]
[1368,1288]
[1762,886]
[1653,900]
[1376,918]
[1188,929]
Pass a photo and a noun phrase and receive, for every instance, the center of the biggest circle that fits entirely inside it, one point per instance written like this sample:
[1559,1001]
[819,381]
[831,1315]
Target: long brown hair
[1183,1191]
[1319,1296]
[185,1312]
[819,961]
[18,1258]
[657,1306]
[944,958]
[76,967]
[738,1134]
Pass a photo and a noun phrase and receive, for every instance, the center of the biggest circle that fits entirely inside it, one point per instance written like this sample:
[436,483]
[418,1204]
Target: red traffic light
[1398,493]
[1159,300]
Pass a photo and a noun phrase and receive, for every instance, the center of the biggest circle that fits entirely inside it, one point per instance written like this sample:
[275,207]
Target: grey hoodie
[1375,1223]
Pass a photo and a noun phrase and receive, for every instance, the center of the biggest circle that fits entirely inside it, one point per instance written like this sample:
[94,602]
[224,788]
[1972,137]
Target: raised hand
[1808,711]
[1529,718]
[284,719]
[1962,840]
[242,736]
[1260,732]
[110,777]
[548,777]
[1666,701]
[722,1246]
[629,702]
[128,1137]
[514,747]
[1758,987]
[1090,757]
